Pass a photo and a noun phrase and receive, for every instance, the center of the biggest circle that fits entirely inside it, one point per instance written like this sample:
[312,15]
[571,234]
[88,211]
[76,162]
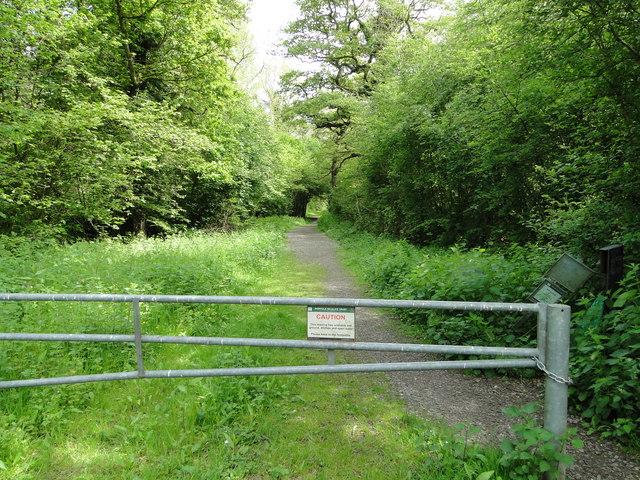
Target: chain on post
[551,375]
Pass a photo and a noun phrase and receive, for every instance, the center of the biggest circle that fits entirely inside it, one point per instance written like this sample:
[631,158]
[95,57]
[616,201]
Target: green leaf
[546,435]
[511,412]
[622,299]
[485,475]
[474,430]
[620,353]
[566,459]
[525,456]
[507,445]
[577,443]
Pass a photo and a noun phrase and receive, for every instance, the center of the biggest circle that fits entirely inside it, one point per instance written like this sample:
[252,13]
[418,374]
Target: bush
[397,269]
[606,346]
[475,275]
[604,360]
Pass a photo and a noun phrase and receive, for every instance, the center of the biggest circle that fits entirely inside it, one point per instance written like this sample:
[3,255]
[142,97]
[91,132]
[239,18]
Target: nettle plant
[533,453]
[475,275]
[535,450]
[604,361]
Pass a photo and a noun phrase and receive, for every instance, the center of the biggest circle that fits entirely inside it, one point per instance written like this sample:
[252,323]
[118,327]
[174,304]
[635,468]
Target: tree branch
[133,77]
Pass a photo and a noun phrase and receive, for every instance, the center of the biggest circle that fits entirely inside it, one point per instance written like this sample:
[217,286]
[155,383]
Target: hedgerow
[604,353]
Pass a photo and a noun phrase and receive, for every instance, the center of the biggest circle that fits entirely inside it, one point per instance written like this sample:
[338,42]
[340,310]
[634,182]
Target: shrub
[474,275]
[535,450]
[605,333]
[604,360]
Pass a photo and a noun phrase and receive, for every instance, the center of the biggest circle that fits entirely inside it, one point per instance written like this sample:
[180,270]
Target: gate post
[556,398]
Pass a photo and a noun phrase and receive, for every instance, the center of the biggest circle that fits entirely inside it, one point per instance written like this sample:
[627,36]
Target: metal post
[557,369]
[542,332]
[331,357]
[138,337]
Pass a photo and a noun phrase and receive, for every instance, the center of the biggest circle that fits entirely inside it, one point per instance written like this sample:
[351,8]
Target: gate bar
[269,342]
[553,343]
[311,302]
[284,370]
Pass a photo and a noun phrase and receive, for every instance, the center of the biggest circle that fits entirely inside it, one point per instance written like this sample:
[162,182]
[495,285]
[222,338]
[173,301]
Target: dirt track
[448,395]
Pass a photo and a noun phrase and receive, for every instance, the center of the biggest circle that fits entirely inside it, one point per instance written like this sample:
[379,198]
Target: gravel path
[450,396]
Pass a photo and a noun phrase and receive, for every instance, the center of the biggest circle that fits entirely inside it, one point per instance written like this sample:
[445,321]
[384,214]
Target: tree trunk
[133,77]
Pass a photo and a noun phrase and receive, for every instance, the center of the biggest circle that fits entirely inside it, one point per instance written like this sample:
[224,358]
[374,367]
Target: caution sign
[331,323]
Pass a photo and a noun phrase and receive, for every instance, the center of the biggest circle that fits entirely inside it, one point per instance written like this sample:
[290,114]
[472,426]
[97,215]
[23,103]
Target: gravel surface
[445,395]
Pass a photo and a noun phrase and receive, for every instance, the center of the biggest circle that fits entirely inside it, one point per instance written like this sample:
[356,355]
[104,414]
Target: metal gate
[551,354]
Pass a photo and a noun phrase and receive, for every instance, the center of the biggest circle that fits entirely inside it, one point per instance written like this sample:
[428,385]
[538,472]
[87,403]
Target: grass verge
[228,428]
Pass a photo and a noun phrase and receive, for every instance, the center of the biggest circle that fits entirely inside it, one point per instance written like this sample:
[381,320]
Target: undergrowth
[196,428]
[396,269]
[606,361]
[209,428]
[605,328]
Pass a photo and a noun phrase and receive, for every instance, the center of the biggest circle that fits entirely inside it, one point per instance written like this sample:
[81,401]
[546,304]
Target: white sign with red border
[331,323]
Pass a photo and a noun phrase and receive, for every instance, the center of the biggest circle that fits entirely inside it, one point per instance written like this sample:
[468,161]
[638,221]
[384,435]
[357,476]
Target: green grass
[283,427]
[250,427]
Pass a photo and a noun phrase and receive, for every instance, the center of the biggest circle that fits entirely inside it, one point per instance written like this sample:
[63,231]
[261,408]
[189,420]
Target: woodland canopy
[479,121]
[438,122]
[121,116]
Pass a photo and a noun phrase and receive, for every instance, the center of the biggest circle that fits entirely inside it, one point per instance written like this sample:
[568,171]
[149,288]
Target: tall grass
[315,427]
[605,327]
[146,428]
[223,428]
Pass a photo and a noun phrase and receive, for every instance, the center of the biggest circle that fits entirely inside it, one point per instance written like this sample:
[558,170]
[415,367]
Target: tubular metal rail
[551,354]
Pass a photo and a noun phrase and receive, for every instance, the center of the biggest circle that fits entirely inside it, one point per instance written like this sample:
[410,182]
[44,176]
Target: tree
[53,103]
[122,116]
[343,38]
[513,121]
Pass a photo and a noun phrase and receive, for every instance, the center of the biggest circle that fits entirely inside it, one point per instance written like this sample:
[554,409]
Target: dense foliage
[605,344]
[396,269]
[123,116]
[197,428]
[128,430]
[344,39]
[505,121]
[605,366]
[501,123]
